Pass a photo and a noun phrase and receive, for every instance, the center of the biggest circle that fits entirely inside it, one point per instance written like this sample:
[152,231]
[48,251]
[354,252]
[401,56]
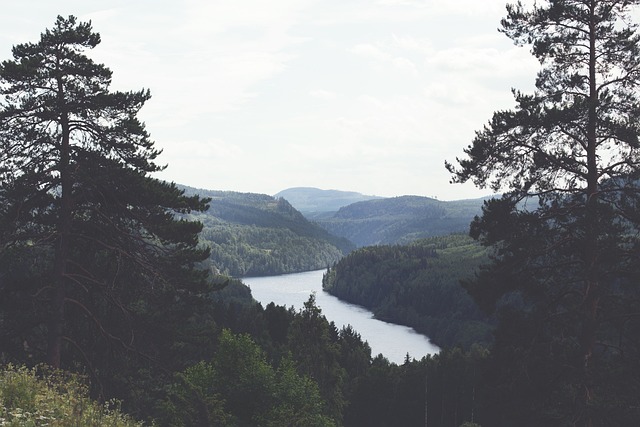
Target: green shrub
[41,397]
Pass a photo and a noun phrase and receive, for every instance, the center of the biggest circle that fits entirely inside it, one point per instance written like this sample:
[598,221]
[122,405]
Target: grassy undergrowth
[41,397]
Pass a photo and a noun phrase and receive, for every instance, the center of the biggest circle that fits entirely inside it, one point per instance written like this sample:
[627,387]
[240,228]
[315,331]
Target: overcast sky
[259,96]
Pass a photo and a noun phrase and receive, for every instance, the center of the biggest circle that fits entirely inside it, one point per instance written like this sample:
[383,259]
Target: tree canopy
[90,247]
[565,231]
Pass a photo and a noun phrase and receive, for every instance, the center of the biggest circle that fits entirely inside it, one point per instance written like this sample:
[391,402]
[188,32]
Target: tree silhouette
[89,242]
[567,266]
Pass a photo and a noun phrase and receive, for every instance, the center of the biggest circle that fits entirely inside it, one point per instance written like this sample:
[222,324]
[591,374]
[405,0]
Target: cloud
[255,96]
[406,65]
[370,51]
[323,94]
[446,7]
[378,54]
[198,57]
[410,43]
[408,11]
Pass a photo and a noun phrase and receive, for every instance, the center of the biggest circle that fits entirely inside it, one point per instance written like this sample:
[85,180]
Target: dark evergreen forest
[417,285]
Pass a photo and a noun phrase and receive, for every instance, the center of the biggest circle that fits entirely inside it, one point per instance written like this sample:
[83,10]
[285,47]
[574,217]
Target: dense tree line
[270,365]
[417,285]
[247,365]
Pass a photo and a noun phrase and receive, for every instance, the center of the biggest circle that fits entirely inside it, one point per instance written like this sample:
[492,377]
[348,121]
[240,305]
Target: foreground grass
[31,397]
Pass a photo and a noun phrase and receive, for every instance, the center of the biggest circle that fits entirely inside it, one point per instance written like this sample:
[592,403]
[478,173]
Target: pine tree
[314,345]
[91,250]
[565,266]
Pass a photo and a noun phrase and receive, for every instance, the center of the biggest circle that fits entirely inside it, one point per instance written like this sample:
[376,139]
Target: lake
[393,341]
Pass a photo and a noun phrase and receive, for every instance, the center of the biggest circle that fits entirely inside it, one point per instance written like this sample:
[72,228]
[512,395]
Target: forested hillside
[255,234]
[417,285]
[400,219]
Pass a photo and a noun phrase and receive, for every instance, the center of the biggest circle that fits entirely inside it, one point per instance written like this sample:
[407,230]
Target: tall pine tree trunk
[590,302]
[591,288]
[56,322]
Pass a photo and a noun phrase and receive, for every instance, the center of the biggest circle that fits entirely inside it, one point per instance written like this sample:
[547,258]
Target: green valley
[399,219]
[256,234]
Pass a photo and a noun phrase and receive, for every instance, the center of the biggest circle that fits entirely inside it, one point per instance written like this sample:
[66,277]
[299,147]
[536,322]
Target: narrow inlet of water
[293,290]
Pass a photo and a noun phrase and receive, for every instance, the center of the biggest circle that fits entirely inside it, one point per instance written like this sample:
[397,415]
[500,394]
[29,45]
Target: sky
[259,96]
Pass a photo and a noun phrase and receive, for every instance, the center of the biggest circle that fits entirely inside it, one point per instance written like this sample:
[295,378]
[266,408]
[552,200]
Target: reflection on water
[393,341]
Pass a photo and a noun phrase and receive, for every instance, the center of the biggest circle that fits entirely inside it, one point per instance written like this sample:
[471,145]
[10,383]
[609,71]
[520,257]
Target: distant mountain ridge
[314,202]
[400,220]
[256,234]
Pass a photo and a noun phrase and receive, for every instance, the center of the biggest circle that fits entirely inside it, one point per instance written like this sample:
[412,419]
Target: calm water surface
[393,341]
